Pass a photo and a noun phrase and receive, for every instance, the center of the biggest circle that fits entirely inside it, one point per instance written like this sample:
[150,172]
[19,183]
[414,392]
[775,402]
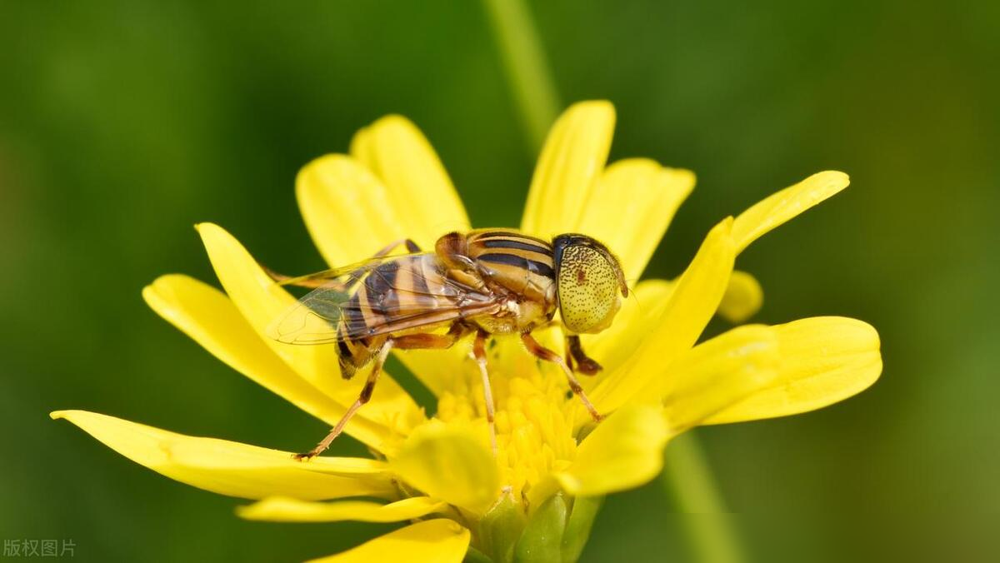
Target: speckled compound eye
[589,280]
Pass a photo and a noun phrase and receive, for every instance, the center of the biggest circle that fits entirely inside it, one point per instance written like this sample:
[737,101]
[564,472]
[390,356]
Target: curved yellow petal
[689,308]
[285,509]
[231,468]
[424,200]
[451,464]
[394,187]
[823,360]
[743,298]
[349,212]
[784,205]
[623,452]
[633,323]
[640,315]
[210,318]
[572,160]
[260,301]
[715,375]
[431,541]
[641,312]
[630,208]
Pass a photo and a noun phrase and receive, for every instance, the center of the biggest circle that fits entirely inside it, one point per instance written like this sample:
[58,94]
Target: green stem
[688,479]
[686,473]
[523,60]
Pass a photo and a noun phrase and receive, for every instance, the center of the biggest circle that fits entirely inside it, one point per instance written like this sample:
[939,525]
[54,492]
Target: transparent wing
[342,277]
[376,297]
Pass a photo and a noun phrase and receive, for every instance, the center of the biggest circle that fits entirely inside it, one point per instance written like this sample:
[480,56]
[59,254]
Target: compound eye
[588,289]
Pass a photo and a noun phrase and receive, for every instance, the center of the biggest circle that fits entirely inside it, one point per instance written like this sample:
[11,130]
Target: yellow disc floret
[533,415]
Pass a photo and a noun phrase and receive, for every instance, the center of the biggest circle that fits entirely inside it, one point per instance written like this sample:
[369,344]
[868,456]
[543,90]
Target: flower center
[533,422]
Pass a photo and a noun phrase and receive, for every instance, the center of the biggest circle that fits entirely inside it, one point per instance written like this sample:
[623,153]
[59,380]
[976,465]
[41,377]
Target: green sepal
[581,519]
[473,555]
[543,536]
[500,528]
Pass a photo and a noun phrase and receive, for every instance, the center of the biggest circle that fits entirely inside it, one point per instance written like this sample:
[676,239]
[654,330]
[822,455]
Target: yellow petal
[285,509]
[630,208]
[572,160]
[349,212]
[437,369]
[432,541]
[231,468]
[633,323]
[691,304]
[260,301]
[210,318]
[623,452]
[421,195]
[451,464]
[716,374]
[641,312]
[784,205]
[823,360]
[743,298]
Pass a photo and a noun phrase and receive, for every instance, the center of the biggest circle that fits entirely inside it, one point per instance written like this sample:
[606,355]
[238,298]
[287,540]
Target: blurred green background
[122,123]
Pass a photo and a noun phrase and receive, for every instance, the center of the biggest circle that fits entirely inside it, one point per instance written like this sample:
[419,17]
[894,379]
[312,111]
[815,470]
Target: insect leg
[364,397]
[544,353]
[584,363]
[411,247]
[426,341]
[479,354]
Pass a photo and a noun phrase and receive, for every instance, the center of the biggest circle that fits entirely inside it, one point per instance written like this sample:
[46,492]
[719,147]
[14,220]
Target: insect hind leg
[441,341]
[364,397]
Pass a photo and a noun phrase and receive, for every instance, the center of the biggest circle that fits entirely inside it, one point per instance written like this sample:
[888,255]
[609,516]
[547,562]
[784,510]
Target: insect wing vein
[378,297]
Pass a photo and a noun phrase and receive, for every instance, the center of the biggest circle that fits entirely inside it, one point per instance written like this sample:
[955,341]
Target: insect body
[488,281]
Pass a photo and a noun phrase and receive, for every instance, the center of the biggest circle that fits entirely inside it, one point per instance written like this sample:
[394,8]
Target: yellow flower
[553,463]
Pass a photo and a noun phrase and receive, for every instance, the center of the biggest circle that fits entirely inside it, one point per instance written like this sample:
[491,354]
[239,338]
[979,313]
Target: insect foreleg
[584,363]
[544,353]
[479,354]
[364,397]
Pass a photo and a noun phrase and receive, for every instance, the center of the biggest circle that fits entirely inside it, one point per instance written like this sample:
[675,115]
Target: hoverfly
[486,281]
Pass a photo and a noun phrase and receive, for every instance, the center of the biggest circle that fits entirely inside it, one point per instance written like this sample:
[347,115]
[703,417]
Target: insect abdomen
[391,298]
